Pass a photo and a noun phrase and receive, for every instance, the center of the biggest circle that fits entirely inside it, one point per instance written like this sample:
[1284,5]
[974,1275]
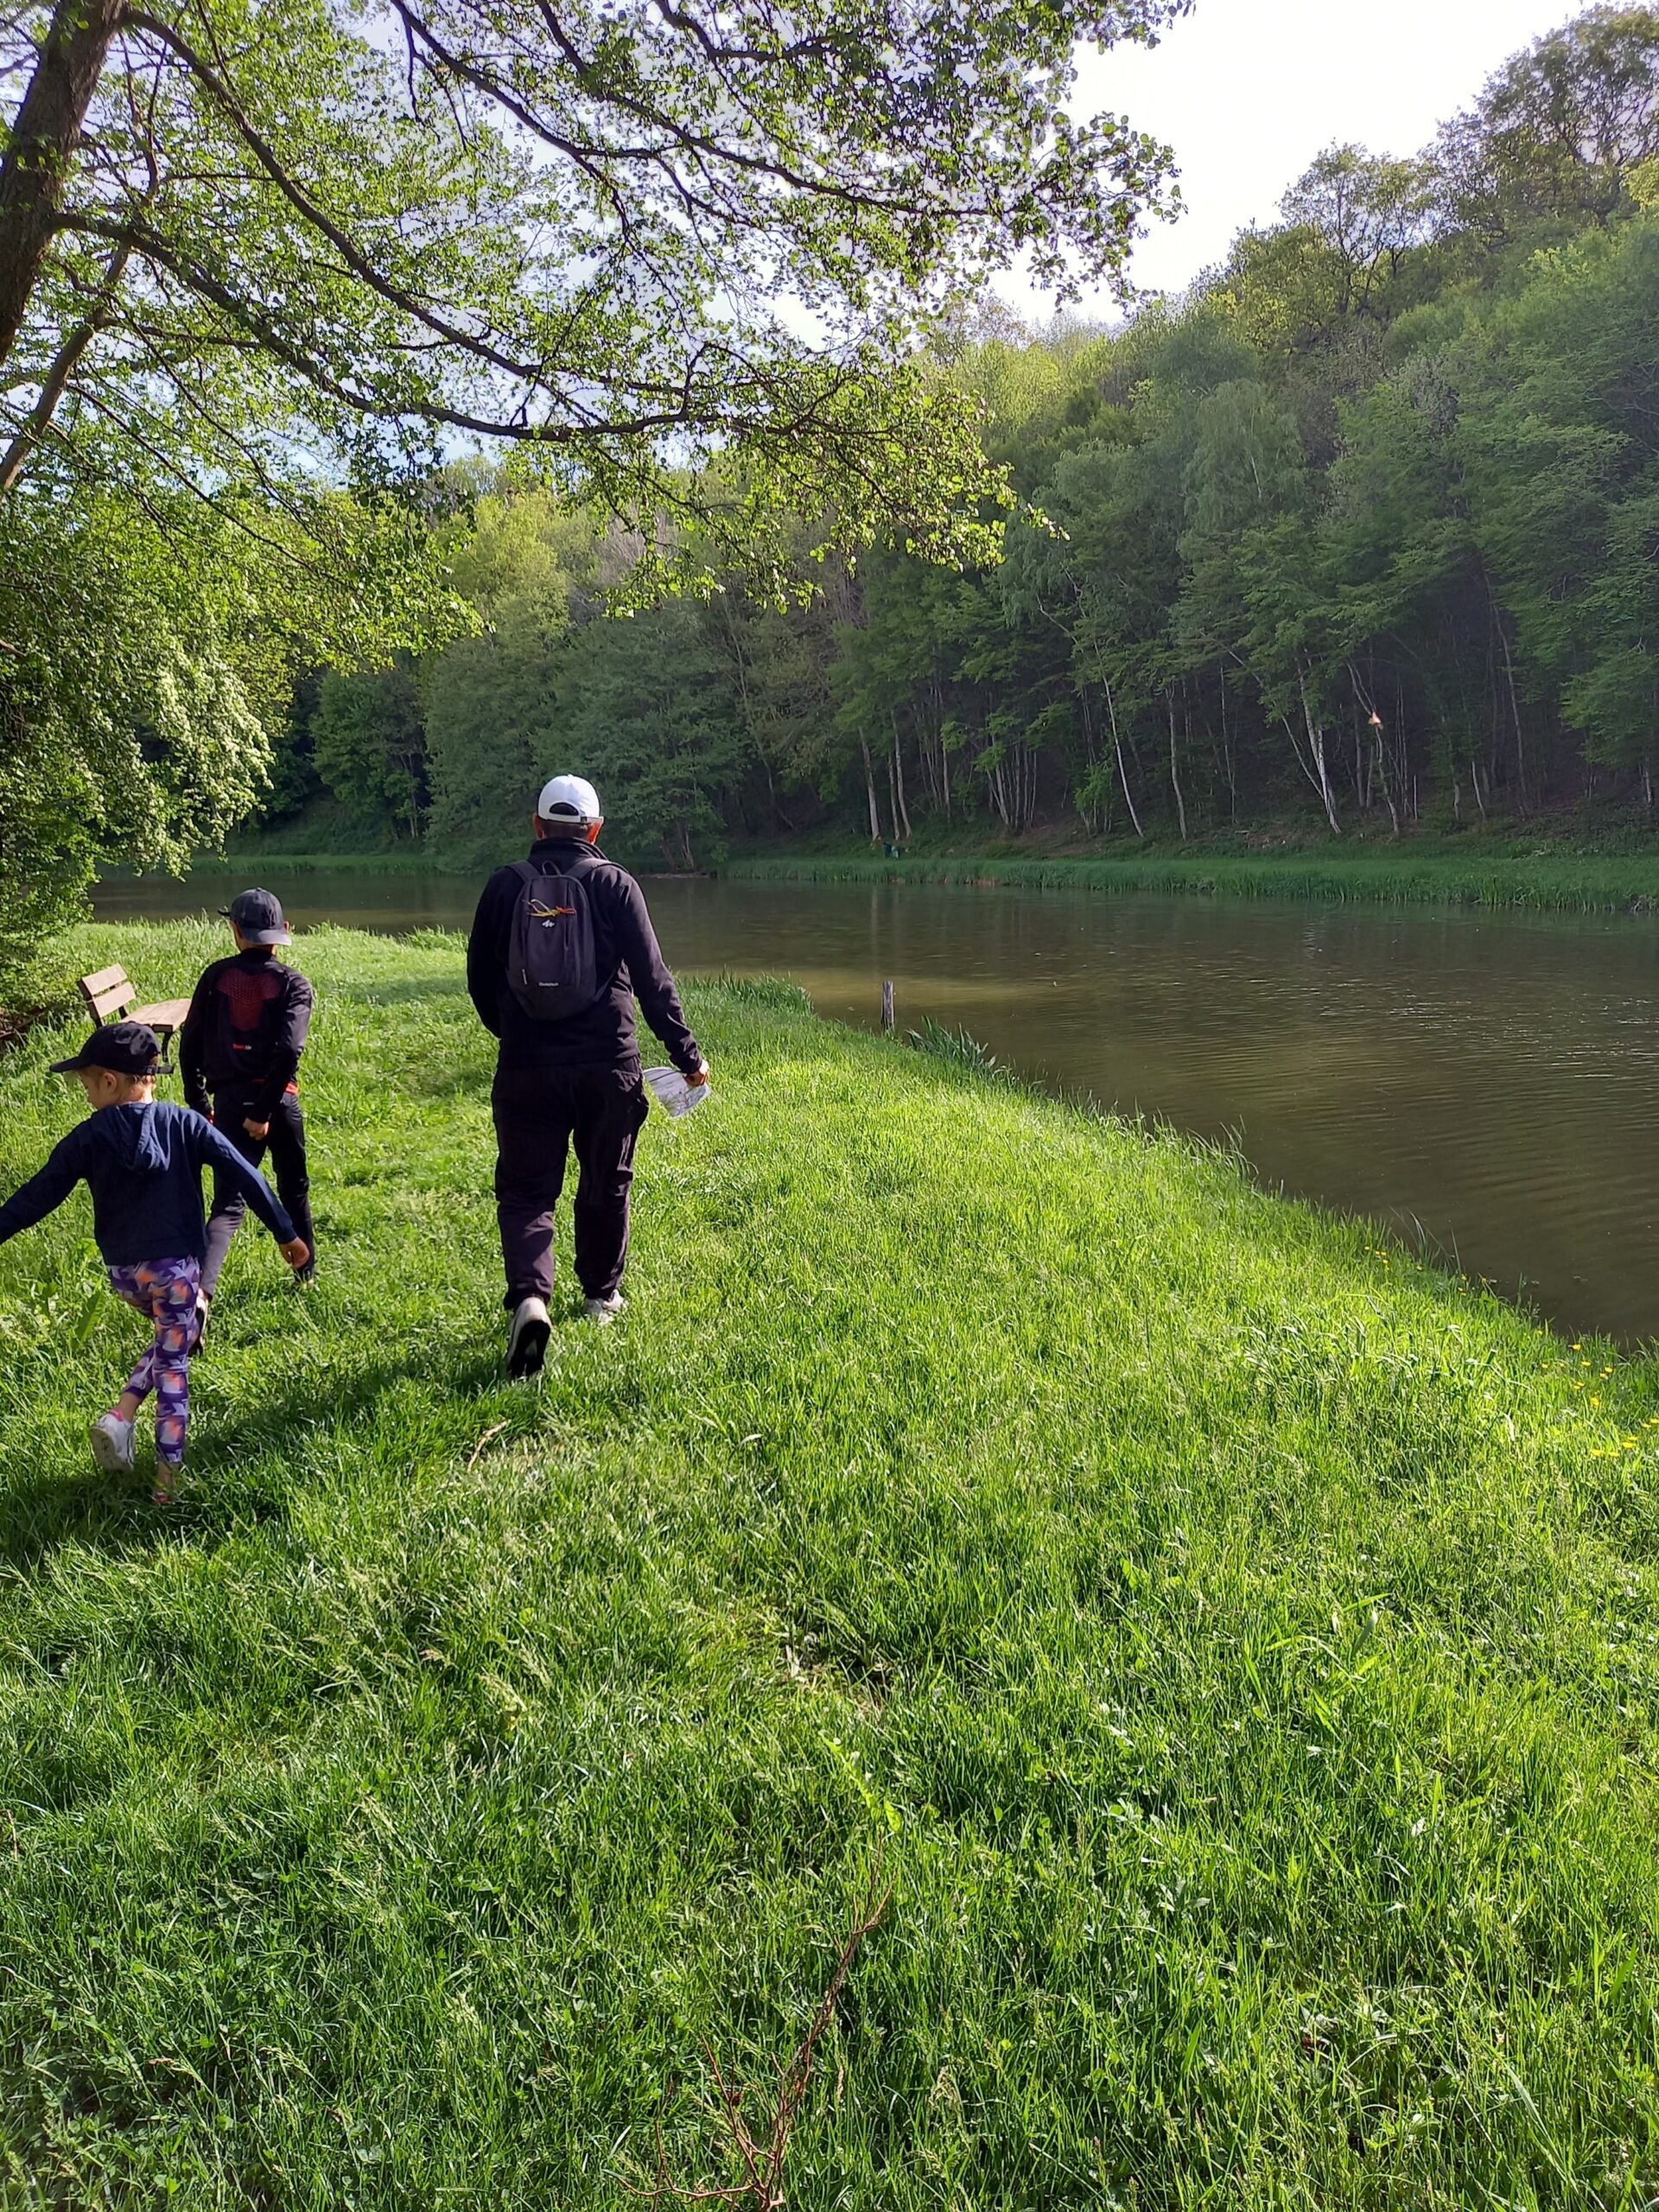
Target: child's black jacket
[246,1030]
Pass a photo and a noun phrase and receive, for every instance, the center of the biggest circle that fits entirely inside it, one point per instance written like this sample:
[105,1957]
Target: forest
[335,510]
[1361,534]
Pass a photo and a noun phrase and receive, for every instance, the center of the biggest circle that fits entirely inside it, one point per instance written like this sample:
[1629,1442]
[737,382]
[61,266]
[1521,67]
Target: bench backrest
[108,992]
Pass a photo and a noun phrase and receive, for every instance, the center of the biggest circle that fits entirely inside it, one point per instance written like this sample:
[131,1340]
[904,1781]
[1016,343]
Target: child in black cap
[239,1055]
[143,1163]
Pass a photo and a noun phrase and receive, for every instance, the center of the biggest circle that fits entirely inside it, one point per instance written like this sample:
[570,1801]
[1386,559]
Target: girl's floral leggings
[165,1290]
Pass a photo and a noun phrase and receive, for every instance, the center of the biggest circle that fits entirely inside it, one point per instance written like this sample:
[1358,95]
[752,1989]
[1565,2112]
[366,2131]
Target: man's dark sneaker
[527,1337]
[307,1273]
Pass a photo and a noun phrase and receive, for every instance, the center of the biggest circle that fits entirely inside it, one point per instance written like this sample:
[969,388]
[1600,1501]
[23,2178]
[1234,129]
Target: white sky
[1247,92]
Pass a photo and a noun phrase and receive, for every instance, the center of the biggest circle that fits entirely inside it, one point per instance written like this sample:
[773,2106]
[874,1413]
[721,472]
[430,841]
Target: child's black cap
[125,1048]
[259,915]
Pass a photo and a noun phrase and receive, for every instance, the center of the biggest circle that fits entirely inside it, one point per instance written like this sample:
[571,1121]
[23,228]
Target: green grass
[1234,1642]
[243,860]
[1568,881]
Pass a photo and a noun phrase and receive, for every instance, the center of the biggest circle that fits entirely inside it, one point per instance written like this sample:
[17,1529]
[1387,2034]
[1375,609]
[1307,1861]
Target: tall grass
[1234,1642]
[1584,885]
[248,858]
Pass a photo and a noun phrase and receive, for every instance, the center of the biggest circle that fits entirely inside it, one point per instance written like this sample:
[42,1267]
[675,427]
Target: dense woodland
[1364,531]
[270,274]
[377,430]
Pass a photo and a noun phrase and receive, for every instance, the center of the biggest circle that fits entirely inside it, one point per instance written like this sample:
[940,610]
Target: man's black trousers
[539,1114]
[286,1144]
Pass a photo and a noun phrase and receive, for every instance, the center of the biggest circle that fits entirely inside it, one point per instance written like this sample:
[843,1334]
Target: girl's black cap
[125,1048]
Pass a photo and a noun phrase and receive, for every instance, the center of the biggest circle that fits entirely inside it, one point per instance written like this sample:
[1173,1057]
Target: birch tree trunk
[1117,747]
[901,811]
[1316,746]
[1174,770]
[869,786]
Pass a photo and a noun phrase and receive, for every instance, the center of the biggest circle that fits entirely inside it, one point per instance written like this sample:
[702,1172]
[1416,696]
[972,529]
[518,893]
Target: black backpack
[552,967]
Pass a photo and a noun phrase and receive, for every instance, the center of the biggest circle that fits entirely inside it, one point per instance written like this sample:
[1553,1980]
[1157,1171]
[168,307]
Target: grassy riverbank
[1474,876]
[1235,1644]
[1549,880]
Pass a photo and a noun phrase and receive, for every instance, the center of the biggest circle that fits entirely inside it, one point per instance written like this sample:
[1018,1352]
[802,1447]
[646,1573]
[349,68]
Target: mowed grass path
[1234,1647]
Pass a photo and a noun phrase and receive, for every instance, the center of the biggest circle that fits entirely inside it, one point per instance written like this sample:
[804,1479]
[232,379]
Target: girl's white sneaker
[111,1440]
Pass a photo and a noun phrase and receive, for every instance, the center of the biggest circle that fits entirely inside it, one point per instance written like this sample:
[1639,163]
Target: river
[1487,1083]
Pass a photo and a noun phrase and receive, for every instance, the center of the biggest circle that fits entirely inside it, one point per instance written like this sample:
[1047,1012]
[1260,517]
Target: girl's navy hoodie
[143,1166]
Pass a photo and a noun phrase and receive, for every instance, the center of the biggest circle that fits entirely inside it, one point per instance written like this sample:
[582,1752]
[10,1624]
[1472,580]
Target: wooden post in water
[887,1007]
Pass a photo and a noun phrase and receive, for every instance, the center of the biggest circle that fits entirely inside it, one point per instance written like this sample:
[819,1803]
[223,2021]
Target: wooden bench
[110,995]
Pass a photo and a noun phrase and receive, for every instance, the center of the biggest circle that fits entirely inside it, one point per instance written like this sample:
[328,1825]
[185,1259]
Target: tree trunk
[892,800]
[869,786]
[1117,745]
[44,141]
[1227,753]
[1515,701]
[1316,746]
[773,799]
[1174,770]
[1388,786]
[901,811]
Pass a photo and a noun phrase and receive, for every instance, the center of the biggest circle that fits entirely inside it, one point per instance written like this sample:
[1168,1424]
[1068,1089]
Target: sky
[1247,92]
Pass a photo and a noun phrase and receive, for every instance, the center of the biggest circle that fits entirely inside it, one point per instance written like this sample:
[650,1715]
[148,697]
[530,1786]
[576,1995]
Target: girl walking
[143,1163]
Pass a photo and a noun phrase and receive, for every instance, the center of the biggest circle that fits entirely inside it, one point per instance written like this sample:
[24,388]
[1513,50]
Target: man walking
[561,944]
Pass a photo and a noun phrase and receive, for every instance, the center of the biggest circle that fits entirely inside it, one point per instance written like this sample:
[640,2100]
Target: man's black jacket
[245,1029]
[628,960]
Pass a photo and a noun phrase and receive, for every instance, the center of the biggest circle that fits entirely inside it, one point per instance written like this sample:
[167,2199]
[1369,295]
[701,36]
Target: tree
[368,739]
[1350,228]
[1560,131]
[587,232]
[526,569]
[123,715]
[1563,455]
[646,706]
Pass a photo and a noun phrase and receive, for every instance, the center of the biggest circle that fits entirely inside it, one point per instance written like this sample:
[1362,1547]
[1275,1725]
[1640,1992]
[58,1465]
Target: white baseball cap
[569,799]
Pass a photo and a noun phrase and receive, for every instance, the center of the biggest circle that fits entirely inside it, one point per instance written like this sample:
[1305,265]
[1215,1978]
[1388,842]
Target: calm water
[1491,1083]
